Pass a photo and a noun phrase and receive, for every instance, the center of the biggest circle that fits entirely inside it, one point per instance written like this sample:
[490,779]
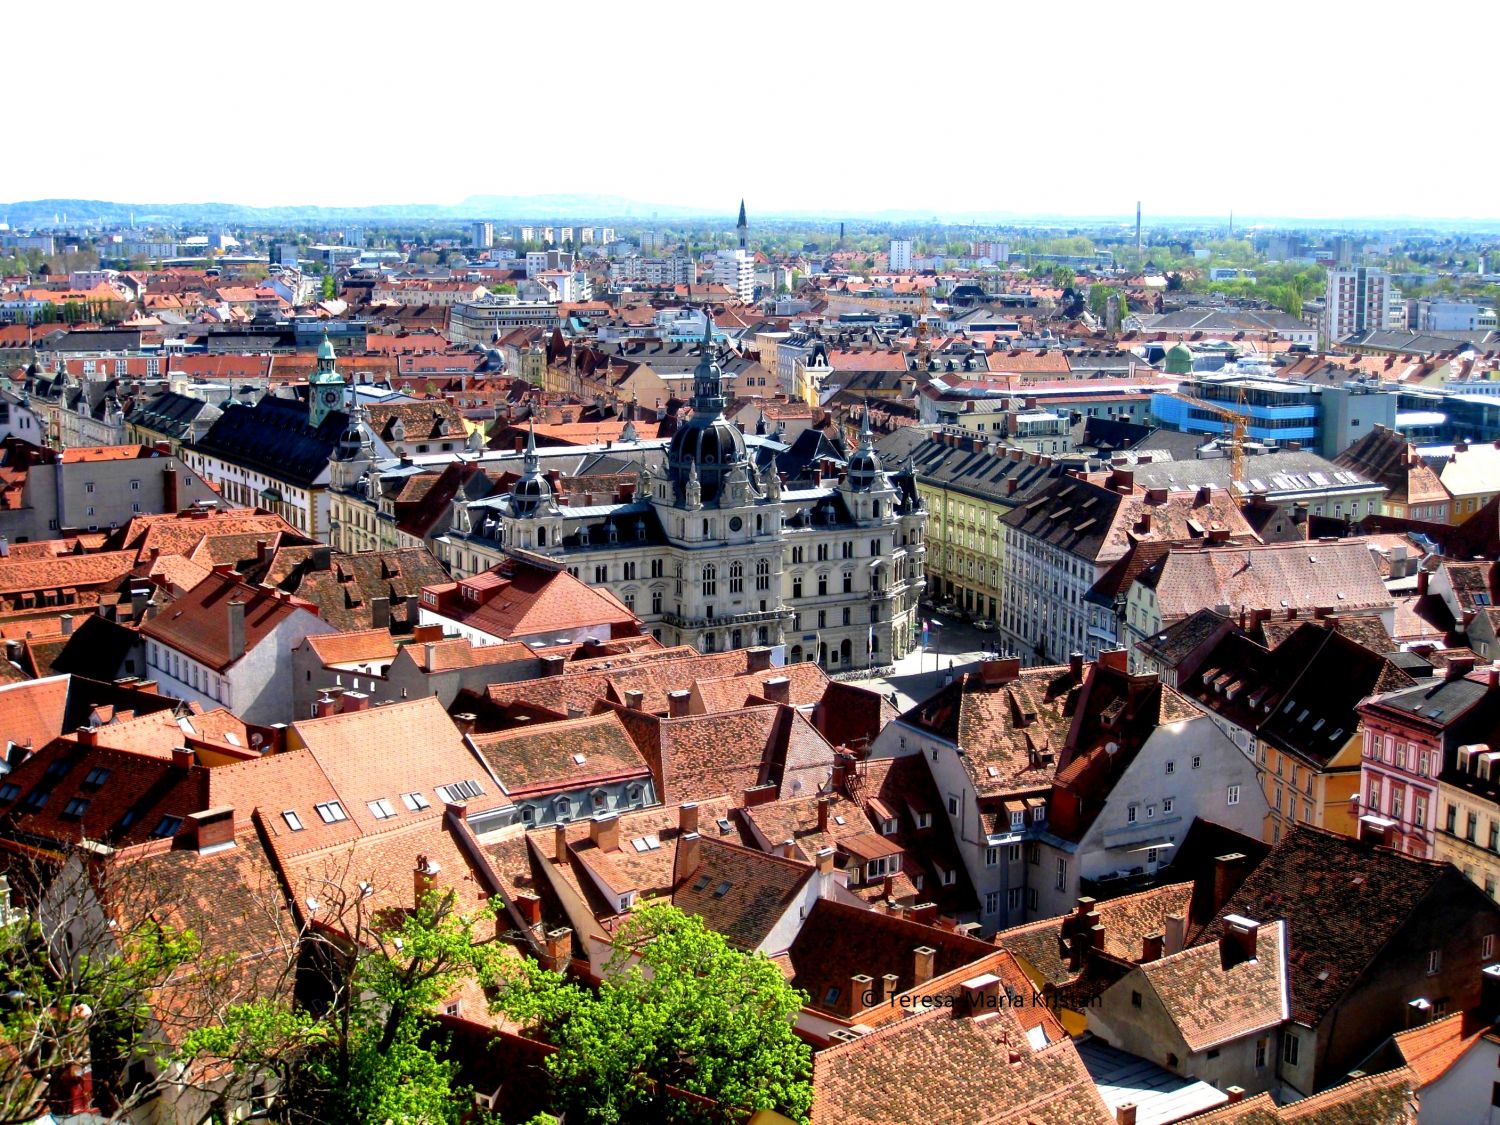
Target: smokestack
[1137,226]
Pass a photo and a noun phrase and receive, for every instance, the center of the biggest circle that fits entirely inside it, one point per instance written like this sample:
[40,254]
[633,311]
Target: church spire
[708,386]
[743,226]
[529,463]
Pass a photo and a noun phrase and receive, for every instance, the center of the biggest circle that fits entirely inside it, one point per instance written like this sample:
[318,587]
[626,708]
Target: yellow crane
[1237,421]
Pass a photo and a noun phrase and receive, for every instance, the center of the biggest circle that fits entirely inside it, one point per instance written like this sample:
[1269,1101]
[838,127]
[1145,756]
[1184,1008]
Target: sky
[1315,109]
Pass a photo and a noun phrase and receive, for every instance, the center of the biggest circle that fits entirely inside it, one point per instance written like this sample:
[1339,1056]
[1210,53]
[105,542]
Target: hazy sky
[1311,109]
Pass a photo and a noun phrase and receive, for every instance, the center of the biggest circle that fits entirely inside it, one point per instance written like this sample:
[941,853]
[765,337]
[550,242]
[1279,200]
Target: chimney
[352,701]
[1238,941]
[529,906]
[465,721]
[778,689]
[687,818]
[87,736]
[380,613]
[860,987]
[1418,1012]
[1151,947]
[635,699]
[689,854]
[889,986]
[236,632]
[559,948]
[1228,874]
[212,830]
[1458,667]
[1236,1094]
[65,622]
[1175,937]
[169,494]
[1125,1113]
[922,958]
[825,803]
[183,758]
[424,878]
[560,843]
[981,994]
[324,706]
[757,659]
[605,832]
[1075,667]
[677,703]
[553,665]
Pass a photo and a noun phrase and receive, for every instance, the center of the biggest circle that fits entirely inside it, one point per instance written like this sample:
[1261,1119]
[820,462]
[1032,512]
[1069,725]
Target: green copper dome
[1179,360]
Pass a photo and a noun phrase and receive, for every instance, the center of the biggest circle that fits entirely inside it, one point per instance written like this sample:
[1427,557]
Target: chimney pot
[1125,1113]
[677,703]
[922,958]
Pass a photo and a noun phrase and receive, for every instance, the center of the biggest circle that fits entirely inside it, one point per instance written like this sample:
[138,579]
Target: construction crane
[1237,421]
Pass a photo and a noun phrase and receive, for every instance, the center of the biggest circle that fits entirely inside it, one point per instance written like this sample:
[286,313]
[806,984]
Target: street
[954,647]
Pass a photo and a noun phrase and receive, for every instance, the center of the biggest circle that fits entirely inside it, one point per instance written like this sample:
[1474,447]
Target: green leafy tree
[503,287]
[1063,277]
[368,1055]
[677,1008]
[330,288]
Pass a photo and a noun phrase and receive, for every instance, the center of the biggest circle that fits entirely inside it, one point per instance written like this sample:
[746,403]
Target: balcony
[752,617]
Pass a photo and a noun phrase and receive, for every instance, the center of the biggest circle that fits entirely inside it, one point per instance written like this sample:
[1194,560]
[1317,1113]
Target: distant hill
[46,212]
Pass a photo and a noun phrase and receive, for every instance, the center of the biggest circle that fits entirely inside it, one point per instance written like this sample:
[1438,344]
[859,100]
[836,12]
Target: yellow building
[1468,827]
[1472,478]
[968,487]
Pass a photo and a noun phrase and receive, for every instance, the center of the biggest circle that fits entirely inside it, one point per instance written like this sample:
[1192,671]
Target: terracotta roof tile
[1211,1005]
[535,760]
[740,892]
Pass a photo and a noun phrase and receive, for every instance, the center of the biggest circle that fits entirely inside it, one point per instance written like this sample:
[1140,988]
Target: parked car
[985,626]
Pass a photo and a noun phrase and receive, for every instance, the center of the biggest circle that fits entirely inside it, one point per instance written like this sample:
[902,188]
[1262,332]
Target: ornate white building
[714,552]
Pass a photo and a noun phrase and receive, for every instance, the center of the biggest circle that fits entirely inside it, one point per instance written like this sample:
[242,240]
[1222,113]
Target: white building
[900,255]
[1359,298]
[735,269]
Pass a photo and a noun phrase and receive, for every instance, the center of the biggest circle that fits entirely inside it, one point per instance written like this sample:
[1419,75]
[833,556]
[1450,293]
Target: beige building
[1468,833]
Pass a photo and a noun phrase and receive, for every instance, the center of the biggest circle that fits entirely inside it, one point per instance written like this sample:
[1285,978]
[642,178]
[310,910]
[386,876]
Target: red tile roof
[197,624]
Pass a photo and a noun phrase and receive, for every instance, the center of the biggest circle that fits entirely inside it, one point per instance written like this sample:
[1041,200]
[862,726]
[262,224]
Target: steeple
[325,391]
[708,382]
[532,491]
[743,227]
[529,462]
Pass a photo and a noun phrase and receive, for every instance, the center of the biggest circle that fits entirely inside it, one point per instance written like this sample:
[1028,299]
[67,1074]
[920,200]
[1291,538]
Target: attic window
[459,791]
[415,801]
[332,812]
[579,759]
[76,808]
[128,819]
[96,777]
[646,843]
[58,767]
[36,798]
[721,890]
[293,821]
[381,809]
[724,826]
[167,826]
[838,820]
[831,997]
[9,791]
[701,883]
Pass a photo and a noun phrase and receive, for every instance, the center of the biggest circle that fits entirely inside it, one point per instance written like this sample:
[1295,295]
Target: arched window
[541,537]
[763,574]
[710,580]
[736,578]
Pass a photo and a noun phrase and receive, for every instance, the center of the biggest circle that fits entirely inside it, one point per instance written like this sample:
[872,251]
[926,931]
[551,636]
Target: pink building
[1411,736]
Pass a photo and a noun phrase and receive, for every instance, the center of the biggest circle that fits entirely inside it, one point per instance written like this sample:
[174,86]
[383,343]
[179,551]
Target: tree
[678,1010]
[330,288]
[1063,277]
[503,287]
[365,1055]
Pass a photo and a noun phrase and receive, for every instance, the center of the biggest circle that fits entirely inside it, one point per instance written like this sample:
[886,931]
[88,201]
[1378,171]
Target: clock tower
[326,387]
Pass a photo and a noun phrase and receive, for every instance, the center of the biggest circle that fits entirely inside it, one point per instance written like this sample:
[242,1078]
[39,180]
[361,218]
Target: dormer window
[888,826]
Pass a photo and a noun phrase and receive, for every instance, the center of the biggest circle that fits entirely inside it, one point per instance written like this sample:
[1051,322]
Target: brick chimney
[1174,934]
[825,803]
[1237,944]
[352,701]
[1151,947]
[553,665]
[170,501]
[324,706]
[922,959]
[529,906]
[635,699]
[689,854]
[424,878]
[981,994]
[1125,1113]
[465,721]
[757,659]
[778,689]
[560,843]
[212,830]
[677,703]
[559,948]
[1075,667]
[853,1000]
[380,613]
[687,817]
[604,831]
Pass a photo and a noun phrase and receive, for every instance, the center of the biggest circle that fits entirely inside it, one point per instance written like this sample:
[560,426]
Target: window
[293,821]
[1452,819]
[76,808]
[952,805]
[1434,961]
[458,791]
[167,826]
[381,809]
[1130,814]
[1171,766]
[710,580]
[1487,947]
[736,577]
[992,902]
[332,812]
[414,801]
[1031,898]
[1166,805]
[1013,853]
[1233,795]
[9,791]
[1290,1048]
[1062,873]
[991,857]
[1260,1053]
[1135,999]
[1013,899]
[96,777]
[1197,760]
